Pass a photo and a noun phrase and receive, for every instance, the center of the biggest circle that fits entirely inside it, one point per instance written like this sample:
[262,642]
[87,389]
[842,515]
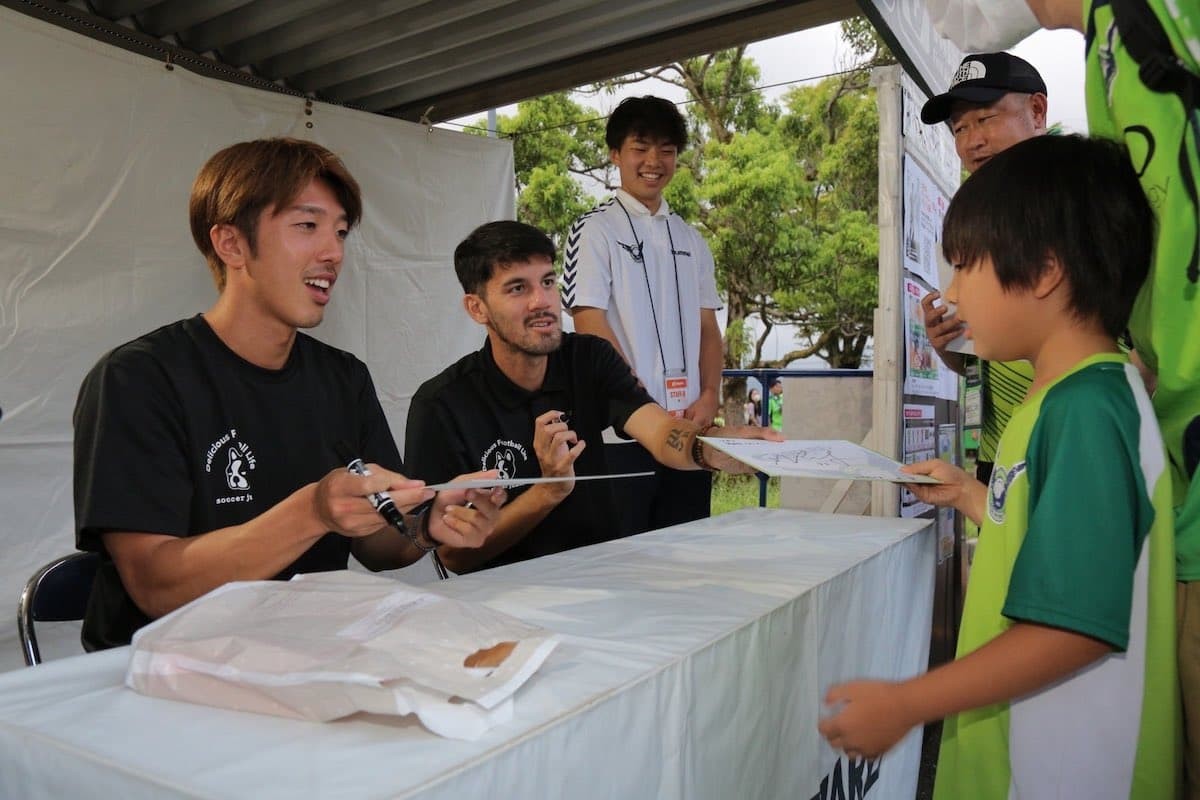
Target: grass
[731,492]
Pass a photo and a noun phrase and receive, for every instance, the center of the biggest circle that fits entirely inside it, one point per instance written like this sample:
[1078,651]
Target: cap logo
[968,71]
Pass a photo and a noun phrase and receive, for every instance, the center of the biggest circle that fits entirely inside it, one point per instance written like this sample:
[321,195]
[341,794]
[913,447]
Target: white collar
[634,206]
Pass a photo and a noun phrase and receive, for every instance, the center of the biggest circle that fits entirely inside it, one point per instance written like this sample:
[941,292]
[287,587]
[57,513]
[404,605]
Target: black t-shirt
[471,417]
[176,434]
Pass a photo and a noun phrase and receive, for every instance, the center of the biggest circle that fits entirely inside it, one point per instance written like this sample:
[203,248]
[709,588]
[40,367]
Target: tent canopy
[429,59]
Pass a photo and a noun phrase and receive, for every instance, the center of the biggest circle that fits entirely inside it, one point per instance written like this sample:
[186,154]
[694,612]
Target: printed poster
[920,444]
[946,450]
[933,143]
[924,206]
[925,374]
[945,534]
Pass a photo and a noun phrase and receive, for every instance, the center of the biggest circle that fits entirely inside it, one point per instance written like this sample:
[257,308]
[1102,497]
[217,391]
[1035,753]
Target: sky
[1057,55]
[792,58]
[804,56]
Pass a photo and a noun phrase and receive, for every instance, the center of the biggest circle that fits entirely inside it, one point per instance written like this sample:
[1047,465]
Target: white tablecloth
[693,664]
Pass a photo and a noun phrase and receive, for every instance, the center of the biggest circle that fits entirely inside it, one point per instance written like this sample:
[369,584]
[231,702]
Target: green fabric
[775,411]
[1162,139]
[1004,385]
[1077,509]
[1075,572]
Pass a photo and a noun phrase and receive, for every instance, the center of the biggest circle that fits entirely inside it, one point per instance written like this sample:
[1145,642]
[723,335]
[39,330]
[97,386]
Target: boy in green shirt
[1065,682]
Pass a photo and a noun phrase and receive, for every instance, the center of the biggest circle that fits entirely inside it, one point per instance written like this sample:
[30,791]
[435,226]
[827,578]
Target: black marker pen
[380,500]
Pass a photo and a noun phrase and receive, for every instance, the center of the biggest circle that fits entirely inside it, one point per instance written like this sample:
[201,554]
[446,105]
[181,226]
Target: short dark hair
[648,116]
[237,183]
[1070,197]
[497,244]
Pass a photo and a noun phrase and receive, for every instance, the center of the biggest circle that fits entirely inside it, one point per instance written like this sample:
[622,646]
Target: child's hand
[952,489]
[872,718]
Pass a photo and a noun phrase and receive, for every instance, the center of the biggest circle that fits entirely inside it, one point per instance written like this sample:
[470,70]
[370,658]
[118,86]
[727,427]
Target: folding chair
[57,592]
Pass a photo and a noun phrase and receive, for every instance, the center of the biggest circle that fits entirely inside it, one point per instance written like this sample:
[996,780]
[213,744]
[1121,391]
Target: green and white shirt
[1162,137]
[1077,535]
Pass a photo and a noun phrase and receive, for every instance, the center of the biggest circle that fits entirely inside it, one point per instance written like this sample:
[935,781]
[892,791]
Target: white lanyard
[639,257]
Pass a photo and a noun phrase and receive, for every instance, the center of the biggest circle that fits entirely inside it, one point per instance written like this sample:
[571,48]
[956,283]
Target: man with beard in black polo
[530,401]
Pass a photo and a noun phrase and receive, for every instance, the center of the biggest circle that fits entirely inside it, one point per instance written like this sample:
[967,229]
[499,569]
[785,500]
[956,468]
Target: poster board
[916,407]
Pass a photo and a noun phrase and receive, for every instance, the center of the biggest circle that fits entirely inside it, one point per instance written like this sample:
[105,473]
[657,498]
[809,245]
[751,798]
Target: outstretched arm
[876,714]
[670,440]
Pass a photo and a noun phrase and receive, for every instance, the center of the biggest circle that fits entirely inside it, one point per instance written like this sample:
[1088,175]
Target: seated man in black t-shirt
[207,451]
[529,403]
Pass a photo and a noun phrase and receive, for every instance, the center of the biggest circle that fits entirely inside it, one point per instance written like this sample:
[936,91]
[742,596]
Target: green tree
[558,154]
[833,130]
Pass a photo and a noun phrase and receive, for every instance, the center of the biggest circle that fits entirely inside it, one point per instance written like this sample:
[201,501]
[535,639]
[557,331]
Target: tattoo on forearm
[675,439]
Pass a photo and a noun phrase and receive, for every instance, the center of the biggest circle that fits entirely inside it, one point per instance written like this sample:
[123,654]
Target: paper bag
[327,645]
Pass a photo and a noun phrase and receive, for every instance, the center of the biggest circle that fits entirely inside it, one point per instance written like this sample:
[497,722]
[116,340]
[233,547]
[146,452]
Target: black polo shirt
[472,417]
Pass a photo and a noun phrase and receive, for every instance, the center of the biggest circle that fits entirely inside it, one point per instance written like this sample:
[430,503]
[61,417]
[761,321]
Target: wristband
[418,532]
[698,450]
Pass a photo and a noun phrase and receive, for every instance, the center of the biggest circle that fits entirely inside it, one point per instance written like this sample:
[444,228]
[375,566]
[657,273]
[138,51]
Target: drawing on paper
[801,458]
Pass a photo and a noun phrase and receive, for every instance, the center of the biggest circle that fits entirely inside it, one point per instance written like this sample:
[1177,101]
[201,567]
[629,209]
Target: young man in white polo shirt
[639,276]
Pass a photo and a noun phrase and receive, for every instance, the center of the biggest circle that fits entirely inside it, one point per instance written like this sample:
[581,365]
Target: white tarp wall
[97,154]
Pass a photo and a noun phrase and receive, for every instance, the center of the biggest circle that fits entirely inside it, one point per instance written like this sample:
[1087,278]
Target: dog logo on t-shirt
[506,464]
[506,457]
[234,475]
[229,461]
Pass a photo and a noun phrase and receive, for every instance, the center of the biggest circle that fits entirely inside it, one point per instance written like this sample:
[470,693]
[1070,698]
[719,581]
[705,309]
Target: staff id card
[676,384]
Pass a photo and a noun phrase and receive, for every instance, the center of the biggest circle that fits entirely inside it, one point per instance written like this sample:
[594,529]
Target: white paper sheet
[816,458]
[508,483]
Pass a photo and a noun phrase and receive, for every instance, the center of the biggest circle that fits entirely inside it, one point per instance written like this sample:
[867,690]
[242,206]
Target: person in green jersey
[775,404]
[994,101]
[1065,679]
[1142,85]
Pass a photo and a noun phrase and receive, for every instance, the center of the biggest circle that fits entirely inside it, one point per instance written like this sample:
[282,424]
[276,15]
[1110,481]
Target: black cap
[984,78]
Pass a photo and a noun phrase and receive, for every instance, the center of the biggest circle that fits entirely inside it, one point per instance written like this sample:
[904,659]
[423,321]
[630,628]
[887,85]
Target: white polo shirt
[651,273]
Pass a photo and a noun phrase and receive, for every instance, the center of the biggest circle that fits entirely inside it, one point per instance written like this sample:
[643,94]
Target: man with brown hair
[532,400]
[207,451]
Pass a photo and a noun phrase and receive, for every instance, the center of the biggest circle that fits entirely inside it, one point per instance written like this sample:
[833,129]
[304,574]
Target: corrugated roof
[405,57]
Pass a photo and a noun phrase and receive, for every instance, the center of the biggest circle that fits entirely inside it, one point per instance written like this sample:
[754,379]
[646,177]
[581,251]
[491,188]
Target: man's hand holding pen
[353,501]
[556,447]
[341,500]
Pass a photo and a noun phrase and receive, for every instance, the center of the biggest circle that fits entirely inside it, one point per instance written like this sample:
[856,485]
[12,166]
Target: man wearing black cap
[995,100]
